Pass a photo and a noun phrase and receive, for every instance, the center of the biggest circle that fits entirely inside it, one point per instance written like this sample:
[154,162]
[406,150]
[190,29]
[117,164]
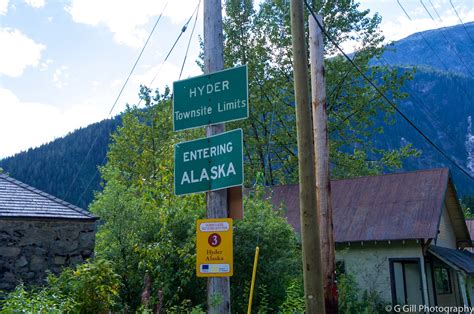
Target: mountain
[441,104]
[449,49]
[53,167]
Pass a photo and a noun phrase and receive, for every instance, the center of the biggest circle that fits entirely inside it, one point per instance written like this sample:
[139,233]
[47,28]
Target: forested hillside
[440,102]
[53,167]
[448,49]
[441,105]
[441,99]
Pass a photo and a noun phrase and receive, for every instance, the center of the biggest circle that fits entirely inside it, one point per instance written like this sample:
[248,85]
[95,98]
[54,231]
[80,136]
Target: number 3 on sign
[214,240]
[214,247]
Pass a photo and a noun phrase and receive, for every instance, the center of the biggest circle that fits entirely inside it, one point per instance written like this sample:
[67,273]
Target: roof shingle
[18,199]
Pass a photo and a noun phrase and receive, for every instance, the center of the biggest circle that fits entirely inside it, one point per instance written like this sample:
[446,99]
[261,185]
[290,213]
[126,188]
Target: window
[405,278]
[442,280]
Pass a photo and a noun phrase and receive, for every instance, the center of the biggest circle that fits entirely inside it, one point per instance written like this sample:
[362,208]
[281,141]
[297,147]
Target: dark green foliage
[267,228]
[353,300]
[440,107]
[52,167]
[90,288]
[467,203]
[31,300]
[261,38]
[443,116]
[147,230]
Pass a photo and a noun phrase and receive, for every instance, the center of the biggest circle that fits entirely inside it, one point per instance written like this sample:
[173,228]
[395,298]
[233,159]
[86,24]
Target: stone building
[39,232]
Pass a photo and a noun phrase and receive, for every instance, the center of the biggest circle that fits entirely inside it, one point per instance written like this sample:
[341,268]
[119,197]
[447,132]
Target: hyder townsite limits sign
[208,164]
[210,99]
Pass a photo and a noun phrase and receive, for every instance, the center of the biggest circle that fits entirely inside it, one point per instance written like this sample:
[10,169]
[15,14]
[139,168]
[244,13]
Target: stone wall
[29,247]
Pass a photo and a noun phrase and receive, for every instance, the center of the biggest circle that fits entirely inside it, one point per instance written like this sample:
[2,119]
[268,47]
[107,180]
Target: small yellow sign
[215,255]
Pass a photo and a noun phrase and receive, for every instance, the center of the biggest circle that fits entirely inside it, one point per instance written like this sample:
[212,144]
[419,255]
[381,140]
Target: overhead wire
[460,20]
[183,29]
[389,102]
[116,99]
[468,94]
[453,47]
[189,42]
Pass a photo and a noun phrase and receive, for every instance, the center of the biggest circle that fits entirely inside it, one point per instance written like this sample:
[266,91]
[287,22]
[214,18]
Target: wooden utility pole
[312,268]
[218,288]
[323,185]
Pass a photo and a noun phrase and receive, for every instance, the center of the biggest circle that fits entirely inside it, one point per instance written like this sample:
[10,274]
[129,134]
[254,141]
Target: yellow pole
[254,274]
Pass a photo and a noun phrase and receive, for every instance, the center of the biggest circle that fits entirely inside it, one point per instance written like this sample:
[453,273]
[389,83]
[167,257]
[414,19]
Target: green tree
[146,228]
[148,231]
[467,204]
[267,228]
[261,38]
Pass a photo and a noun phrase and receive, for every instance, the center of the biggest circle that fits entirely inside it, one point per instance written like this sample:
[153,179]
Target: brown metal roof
[385,207]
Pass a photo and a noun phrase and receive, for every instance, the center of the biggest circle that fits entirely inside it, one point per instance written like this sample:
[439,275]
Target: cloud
[3,7]
[402,27]
[45,65]
[30,124]
[17,52]
[35,3]
[60,76]
[127,19]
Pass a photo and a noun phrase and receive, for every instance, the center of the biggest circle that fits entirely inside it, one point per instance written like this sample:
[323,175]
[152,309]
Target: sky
[64,62]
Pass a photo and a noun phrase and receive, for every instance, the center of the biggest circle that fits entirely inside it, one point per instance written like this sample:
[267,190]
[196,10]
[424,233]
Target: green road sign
[210,99]
[210,163]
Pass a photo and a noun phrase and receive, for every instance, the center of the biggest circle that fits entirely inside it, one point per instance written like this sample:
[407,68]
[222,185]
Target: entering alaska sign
[208,164]
[211,99]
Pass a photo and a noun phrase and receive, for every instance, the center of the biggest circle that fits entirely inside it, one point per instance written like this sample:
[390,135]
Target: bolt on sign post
[211,99]
[208,164]
[214,248]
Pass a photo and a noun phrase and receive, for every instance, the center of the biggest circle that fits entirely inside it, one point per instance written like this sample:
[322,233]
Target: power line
[459,17]
[416,98]
[468,94]
[116,99]
[183,29]
[189,42]
[449,158]
[445,38]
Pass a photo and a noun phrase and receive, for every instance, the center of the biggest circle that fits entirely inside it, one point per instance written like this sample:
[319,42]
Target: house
[401,235]
[39,232]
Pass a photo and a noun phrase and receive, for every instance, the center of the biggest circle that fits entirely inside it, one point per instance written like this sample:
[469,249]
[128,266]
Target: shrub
[294,302]
[351,302]
[90,288]
[279,260]
[35,300]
